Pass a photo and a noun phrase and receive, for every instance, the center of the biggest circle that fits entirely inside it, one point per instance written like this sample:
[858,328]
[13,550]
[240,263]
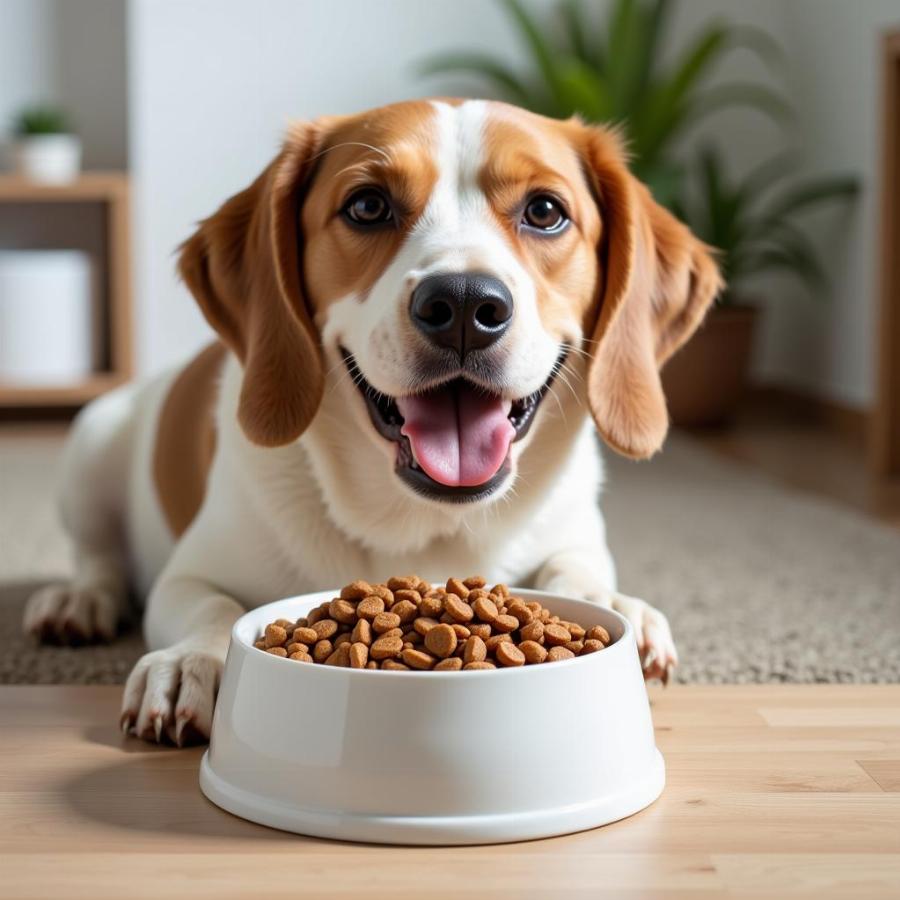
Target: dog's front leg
[589,573]
[171,692]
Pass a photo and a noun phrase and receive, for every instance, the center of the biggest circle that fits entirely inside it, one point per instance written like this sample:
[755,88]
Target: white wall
[213,83]
[71,53]
[28,70]
[826,345]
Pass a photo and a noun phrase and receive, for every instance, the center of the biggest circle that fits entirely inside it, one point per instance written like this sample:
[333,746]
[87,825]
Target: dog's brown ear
[243,267]
[658,280]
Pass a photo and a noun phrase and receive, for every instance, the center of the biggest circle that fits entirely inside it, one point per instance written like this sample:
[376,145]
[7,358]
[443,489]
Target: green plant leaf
[583,91]
[665,101]
[545,56]
[738,94]
[757,41]
[790,250]
[812,192]
[576,30]
[484,66]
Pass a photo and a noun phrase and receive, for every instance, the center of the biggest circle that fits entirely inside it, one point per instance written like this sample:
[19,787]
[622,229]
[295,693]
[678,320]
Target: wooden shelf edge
[89,186]
[19,396]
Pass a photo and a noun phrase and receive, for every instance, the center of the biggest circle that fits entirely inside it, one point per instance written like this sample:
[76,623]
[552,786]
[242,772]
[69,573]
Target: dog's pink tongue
[459,436]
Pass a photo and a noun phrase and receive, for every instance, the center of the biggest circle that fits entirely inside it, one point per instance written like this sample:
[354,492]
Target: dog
[422,313]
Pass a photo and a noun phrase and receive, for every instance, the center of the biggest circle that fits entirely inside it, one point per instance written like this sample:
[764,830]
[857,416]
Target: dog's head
[443,263]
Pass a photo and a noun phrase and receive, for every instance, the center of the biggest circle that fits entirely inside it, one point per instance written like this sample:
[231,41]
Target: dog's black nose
[463,311]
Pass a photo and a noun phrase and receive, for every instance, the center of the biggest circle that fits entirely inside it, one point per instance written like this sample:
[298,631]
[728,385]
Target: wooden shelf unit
[92,216]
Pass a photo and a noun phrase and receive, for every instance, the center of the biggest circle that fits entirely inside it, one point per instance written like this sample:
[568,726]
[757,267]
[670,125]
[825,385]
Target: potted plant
[46,150]
[753,224]
[613,72]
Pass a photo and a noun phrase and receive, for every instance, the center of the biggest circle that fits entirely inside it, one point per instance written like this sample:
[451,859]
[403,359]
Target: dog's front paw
[653,635]
[170,695]
[64,614]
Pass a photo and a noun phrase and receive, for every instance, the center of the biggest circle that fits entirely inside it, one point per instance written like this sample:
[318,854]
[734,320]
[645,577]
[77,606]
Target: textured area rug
[760,583]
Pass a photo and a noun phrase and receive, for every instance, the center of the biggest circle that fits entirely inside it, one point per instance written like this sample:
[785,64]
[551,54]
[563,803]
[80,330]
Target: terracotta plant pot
[704,381]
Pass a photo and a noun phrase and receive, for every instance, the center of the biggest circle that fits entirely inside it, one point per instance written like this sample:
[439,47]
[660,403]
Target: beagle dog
[422,312]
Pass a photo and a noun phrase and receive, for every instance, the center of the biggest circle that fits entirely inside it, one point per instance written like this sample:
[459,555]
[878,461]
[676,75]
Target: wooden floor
[772,791]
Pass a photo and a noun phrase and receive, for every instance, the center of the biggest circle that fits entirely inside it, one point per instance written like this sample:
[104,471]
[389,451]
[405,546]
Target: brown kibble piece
[342,638]
[458,609]
[474,581]
[297,647]
[418,659]
[462,633]
[322,651]
[385,647]
[557,653]
[277,651]
[455,586]
[493,640]
[592,645]
[441,640]
[359,655]
[301,657]
[485,609]
[260,644]
[325,628]
[371,664]
[479,665]
[340,657]
[575,646]
[598,633]
[406,610]
[424,624]
[501,590]
[342,611]
[521,613]
[505,624]
[370,607]
[404,582]
[384,622]
[556,634]
[275,636]
[356,590]
[362,632]
[393,664]
[305,635]
[431,606]
[508,654]
[481,629]
[452,663]
[534,652]
[578,633]
[475,650]
[534,631]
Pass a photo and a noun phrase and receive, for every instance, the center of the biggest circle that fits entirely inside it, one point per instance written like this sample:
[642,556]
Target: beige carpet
[760,583]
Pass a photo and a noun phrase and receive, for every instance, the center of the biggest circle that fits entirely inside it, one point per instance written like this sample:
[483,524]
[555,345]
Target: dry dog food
[408,624]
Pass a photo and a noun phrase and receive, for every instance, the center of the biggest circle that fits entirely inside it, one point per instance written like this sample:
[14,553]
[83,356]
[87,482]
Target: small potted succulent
[45,148]
[753,223]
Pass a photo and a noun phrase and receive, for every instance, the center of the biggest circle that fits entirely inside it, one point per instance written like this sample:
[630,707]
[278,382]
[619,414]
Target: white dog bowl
[463,757]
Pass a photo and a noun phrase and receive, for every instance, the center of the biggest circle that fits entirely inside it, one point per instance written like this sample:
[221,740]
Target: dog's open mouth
[453,441]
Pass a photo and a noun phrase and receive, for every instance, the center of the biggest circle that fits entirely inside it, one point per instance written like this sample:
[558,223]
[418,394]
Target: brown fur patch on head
[390,149]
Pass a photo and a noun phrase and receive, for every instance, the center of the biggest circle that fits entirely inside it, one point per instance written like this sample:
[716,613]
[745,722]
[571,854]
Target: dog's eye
[368,207]
[544,213]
